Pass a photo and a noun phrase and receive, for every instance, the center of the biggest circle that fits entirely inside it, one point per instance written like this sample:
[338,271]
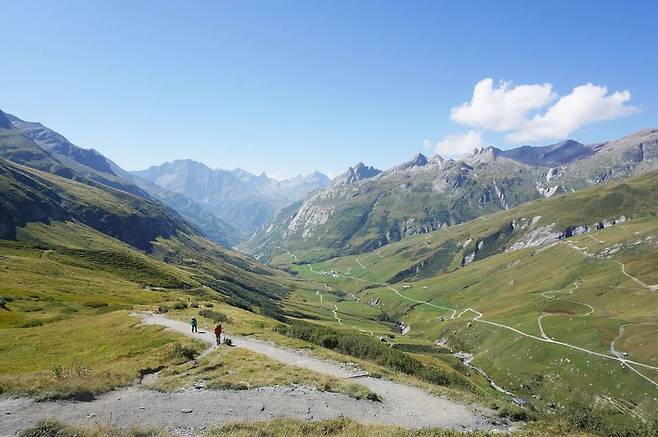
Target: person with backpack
[218,333]
[194,325]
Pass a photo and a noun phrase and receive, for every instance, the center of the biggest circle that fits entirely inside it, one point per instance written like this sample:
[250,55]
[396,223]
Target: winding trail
[636,280]
[614,351]
[335,313]
[544,338]
[539,319]
[583,251]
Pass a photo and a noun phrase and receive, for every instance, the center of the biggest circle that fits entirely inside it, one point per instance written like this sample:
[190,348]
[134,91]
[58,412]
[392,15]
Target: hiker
[218,333]
[194,325]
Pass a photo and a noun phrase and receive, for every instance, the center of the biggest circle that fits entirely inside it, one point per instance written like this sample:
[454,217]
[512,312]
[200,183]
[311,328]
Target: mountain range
[365,208]
[244,200]
[360,210]
[227,206]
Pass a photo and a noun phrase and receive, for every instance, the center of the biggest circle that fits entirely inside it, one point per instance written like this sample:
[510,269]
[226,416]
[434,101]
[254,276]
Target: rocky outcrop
[357,173]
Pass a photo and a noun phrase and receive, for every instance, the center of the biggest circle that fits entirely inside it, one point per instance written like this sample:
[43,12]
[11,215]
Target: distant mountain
[244,200]
[359,214]
[549,156]
[356,173]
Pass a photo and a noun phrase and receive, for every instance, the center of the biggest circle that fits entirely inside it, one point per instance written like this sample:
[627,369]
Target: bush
[49,428]
[372,350]
[209,305]
[57,371]
[31,323]
[180,305]
[187,352]
[586,418]
[194,305]
[95,304]
[215,316]
[4,301]
[53,428]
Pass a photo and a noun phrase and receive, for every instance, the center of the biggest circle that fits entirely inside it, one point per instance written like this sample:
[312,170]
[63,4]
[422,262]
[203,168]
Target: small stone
[142,408]
[186,411]
[8,412]
[262,407]
[89,416]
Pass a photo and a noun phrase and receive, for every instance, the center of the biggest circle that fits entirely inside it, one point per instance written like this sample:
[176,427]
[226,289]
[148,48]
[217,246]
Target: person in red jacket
[218,333]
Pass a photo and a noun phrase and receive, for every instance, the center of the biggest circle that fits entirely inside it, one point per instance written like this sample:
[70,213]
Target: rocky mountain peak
[483,155]
[4,121]
[549,156]
[419,160]
[356,173]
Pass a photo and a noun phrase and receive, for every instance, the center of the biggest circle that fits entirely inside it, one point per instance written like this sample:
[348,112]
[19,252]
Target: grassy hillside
[538,317]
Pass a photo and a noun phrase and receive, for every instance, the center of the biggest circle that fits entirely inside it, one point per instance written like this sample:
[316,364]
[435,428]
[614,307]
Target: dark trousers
[194,328]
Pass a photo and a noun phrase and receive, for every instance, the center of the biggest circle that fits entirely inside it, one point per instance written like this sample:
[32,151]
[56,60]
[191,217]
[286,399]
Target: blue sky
[289,87]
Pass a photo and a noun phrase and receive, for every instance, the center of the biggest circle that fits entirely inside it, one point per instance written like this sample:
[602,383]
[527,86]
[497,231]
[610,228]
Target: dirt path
[189,412]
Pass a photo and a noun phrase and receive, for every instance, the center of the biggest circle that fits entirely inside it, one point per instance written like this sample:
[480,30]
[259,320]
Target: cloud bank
[536,112]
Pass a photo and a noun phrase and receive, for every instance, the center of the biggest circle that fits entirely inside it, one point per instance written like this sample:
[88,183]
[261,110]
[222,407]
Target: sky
[289,87]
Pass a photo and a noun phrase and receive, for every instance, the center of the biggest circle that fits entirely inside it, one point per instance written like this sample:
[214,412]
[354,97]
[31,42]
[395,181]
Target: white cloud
[535,112]
[502,108]
[586,104]
[453,146]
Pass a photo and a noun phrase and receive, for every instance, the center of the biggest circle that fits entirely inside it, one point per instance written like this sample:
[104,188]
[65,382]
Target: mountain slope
[36,145]
[212,226]
[35,198]
[54,212]
[85,162]
[550,299]
[426,194]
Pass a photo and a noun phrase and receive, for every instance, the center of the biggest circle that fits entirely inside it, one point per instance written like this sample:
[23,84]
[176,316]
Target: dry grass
[241,369]
[83,356]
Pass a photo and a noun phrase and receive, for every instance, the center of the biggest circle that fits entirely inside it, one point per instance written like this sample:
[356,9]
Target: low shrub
[53,428]
[215,316]
[194,305]
[95,304]
[587,419]
[31,323]
[4,301]
[368,349]
[186,352]
[180,305]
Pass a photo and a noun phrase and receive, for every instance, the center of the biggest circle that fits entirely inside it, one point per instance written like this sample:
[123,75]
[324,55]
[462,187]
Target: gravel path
[191,411]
